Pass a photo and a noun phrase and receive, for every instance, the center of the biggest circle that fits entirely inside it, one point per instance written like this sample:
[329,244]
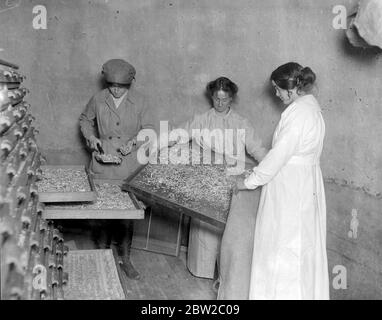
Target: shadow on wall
[361,55]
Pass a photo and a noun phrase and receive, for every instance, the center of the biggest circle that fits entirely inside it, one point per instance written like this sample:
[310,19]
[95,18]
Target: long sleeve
[87,120]
[253,143]
[187,127]
[284,148]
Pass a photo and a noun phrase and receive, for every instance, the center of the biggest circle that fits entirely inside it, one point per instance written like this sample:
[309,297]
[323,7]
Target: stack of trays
[69,192]
[31,248]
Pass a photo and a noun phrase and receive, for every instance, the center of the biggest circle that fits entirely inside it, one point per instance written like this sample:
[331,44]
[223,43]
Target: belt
[304,161]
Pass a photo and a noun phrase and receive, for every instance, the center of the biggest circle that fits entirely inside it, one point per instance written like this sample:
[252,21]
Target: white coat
[289,254]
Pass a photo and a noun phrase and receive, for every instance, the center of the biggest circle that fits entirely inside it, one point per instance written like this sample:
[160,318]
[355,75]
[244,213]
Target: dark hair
[121,85]
[223,84]
[292,75]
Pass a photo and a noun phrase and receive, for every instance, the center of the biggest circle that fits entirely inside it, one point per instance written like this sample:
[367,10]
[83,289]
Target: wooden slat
[51,166]
[147,237]
[157,246]
[48,197]
[13,85]
[147,196]
[8,64]
[138,204]
[10,80]
[52,214]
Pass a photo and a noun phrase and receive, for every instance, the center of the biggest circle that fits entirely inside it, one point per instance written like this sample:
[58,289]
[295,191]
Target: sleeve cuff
[249,185]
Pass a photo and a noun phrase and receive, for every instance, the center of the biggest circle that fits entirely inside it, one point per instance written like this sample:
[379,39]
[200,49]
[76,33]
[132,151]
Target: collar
[296,103]
[121,98]
[129,95]
[217,114]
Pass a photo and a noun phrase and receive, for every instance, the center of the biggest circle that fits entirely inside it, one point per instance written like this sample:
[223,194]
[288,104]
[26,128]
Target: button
[119,137]
[117,123]
[110,138]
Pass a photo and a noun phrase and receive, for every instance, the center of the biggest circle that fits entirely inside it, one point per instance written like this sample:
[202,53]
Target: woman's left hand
[128,148]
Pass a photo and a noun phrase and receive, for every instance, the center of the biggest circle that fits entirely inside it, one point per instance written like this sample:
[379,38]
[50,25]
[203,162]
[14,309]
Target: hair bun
[306,78]
[292,75]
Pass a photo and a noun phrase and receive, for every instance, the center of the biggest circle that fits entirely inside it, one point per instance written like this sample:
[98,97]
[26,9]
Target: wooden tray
[8,64]
[83,213]
[80,196]
[204,210]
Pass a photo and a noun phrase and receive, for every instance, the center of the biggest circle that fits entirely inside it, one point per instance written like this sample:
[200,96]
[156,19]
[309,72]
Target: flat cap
[118,71]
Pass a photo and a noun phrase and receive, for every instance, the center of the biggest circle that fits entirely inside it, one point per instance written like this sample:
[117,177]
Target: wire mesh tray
[111,203]
[66,184]
[199,200]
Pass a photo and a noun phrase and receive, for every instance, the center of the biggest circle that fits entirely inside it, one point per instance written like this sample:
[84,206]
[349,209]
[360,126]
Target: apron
[237,246]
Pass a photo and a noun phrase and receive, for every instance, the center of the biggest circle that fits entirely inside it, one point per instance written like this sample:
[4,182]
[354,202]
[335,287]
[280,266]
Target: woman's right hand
[239,185]
[94,143]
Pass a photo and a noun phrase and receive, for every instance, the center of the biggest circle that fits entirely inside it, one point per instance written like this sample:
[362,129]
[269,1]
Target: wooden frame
[109,214]
[8,64]
[152,198]
[82,213]
[148,243]
[85,196]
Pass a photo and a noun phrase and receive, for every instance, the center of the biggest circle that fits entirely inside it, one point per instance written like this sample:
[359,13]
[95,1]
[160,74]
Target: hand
[94,143]
[127,148]
[239,185]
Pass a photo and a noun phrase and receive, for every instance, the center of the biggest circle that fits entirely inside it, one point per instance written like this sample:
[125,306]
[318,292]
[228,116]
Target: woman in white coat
[289,254]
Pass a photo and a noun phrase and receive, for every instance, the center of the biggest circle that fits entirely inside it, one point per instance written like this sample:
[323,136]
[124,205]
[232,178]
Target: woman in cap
[110,125]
